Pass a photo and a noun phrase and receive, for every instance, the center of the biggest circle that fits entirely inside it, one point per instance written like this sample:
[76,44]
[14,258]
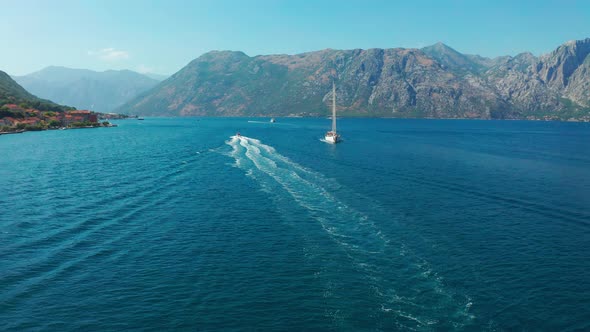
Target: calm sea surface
[407,225]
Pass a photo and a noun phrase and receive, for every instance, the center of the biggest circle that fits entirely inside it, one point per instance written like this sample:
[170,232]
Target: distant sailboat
[332,136]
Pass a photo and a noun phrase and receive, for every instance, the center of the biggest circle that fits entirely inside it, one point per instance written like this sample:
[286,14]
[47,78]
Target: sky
[163,36]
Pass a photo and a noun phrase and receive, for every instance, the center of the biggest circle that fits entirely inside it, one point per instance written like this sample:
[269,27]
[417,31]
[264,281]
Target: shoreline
[357,117]
[12,132]
[20,131]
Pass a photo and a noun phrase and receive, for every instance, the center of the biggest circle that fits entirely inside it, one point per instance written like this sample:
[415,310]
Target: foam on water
[368,248]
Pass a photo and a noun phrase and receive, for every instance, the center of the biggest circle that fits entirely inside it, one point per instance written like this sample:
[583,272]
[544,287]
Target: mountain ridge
[87,89]
[435,81]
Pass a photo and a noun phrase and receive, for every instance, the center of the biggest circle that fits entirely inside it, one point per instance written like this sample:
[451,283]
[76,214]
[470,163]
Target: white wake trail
[354,231]
[337,218]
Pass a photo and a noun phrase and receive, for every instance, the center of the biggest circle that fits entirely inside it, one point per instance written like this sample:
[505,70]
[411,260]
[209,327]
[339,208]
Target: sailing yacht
[332,136]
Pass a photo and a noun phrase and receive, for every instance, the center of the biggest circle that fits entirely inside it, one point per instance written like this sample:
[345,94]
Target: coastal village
[15,119]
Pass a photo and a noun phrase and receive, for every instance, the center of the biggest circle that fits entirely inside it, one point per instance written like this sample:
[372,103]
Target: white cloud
[110,54]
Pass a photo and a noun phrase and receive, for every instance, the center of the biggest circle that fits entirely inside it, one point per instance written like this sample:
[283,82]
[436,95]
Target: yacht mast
[333,107]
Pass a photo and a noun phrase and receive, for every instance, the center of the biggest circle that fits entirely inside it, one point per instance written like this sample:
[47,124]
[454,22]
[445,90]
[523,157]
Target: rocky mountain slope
[86,89]
[435,81]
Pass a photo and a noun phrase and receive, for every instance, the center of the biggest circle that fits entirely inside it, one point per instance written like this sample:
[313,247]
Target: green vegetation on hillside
[12,93]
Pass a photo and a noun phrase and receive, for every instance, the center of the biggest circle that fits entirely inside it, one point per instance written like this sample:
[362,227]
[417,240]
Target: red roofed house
[29,121]
[79,112]
[13,107]
[7,121]
[79,116]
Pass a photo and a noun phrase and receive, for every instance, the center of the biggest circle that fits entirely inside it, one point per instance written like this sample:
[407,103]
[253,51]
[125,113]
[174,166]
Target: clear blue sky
[163,36]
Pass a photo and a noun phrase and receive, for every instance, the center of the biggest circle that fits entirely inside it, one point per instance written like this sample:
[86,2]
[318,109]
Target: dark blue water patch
[407,225]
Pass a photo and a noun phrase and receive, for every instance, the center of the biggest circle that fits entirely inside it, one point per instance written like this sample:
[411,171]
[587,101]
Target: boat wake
[270,123]
[260,160]
[404,284]
[252,121]
[325,141]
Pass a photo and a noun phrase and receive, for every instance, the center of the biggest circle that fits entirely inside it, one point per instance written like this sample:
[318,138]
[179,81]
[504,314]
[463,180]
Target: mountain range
[87,89]
[12,93]
[433,82]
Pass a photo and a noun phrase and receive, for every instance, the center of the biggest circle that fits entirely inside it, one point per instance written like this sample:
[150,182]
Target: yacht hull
[333,139]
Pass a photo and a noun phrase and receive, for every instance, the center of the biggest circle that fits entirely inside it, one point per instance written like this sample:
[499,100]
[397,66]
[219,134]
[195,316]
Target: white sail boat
[332,136]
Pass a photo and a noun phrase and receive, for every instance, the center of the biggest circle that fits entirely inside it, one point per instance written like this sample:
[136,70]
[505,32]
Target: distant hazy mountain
[157,77]
[12,93]
[435,81]
[86,89]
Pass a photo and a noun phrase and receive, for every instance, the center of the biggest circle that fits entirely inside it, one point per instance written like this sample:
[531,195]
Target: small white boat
[332,136]
[272,120]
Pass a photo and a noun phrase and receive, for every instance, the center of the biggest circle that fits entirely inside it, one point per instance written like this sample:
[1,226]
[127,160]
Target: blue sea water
[177,224]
